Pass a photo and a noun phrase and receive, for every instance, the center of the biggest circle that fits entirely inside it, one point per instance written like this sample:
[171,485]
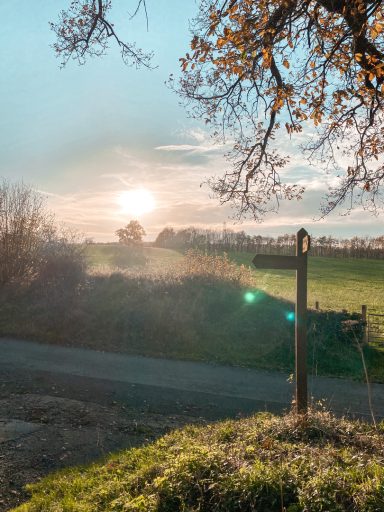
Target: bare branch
[84,30]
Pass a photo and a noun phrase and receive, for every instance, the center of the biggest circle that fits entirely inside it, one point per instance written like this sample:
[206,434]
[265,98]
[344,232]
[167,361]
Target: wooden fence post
[364,322]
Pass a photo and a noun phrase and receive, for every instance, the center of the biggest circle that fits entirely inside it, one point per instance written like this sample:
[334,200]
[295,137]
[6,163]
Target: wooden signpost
[298,263]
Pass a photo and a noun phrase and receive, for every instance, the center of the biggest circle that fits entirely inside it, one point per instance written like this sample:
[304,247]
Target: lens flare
[250,297]
[290,316]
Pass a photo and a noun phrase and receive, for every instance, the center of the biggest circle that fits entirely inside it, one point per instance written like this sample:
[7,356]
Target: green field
[110,257]
[159,303]
[336,284]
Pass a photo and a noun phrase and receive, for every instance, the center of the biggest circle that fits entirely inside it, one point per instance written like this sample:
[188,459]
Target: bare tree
[31,245]
[24,223]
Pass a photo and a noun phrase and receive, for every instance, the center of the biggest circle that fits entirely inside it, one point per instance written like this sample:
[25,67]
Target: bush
[32,248]
[208,267]
[62,263]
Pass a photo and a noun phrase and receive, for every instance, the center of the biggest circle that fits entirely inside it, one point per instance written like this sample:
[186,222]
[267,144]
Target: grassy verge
[264,463]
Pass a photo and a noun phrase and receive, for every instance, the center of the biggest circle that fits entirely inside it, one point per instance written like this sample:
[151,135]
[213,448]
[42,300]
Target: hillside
[336,283]
[107,257]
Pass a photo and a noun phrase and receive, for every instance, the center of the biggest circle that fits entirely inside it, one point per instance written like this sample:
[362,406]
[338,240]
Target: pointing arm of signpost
[298,263]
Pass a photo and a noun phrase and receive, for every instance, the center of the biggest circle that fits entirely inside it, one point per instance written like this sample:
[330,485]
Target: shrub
[32,248]
[217,267]
[62,263]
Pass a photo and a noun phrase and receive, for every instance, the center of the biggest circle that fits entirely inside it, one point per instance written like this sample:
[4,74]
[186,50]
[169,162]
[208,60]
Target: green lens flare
[250,297]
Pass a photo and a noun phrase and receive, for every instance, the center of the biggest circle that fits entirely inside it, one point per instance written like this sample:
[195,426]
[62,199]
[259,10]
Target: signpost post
[298,263]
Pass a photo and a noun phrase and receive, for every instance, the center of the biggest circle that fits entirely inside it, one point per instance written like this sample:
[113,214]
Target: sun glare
[136,202]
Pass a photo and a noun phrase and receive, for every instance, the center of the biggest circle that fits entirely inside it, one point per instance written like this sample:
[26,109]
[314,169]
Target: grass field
[159,303]
[336,283]
[263,463]
[110,257]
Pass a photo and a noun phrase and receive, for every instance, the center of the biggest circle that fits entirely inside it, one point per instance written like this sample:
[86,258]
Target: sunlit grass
[265,463]
[110,257]
[336,284]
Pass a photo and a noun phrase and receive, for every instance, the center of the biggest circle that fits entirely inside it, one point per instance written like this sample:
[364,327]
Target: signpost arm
[302,246]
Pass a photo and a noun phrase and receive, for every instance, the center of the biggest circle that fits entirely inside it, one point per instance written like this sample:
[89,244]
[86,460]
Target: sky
[84,135]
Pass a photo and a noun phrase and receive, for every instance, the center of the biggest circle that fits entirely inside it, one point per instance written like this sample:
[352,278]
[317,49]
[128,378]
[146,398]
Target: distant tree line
[230,240]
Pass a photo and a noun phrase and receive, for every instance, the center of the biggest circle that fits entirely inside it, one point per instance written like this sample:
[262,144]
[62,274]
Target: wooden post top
[303,242]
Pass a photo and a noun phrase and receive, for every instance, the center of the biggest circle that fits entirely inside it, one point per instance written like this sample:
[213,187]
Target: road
[62,406]
[169,385]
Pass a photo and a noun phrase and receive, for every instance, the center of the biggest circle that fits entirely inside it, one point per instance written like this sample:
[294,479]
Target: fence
[375,326]
[372,322]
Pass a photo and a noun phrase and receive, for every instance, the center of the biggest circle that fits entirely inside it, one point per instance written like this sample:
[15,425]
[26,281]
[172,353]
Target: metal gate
[375,327]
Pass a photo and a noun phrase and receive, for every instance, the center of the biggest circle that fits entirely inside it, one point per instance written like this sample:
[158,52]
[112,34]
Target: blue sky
[84,134]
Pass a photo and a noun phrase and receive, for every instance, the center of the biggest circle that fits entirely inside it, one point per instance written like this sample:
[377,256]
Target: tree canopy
[132,234]
[258,67]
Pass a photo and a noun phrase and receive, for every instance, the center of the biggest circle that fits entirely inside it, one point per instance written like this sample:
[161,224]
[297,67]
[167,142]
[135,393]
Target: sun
[136,202]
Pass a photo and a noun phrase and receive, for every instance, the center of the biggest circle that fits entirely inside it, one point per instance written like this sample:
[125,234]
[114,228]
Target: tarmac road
[212,391]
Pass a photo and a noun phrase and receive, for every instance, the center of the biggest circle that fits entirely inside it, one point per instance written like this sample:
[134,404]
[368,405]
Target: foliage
[165,237]
[213,240]
[265,462]
[256,65]
[131,234]
[209,267]
[63,262]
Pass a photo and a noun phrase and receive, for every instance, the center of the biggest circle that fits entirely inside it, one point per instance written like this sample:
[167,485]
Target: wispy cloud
[190,148]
